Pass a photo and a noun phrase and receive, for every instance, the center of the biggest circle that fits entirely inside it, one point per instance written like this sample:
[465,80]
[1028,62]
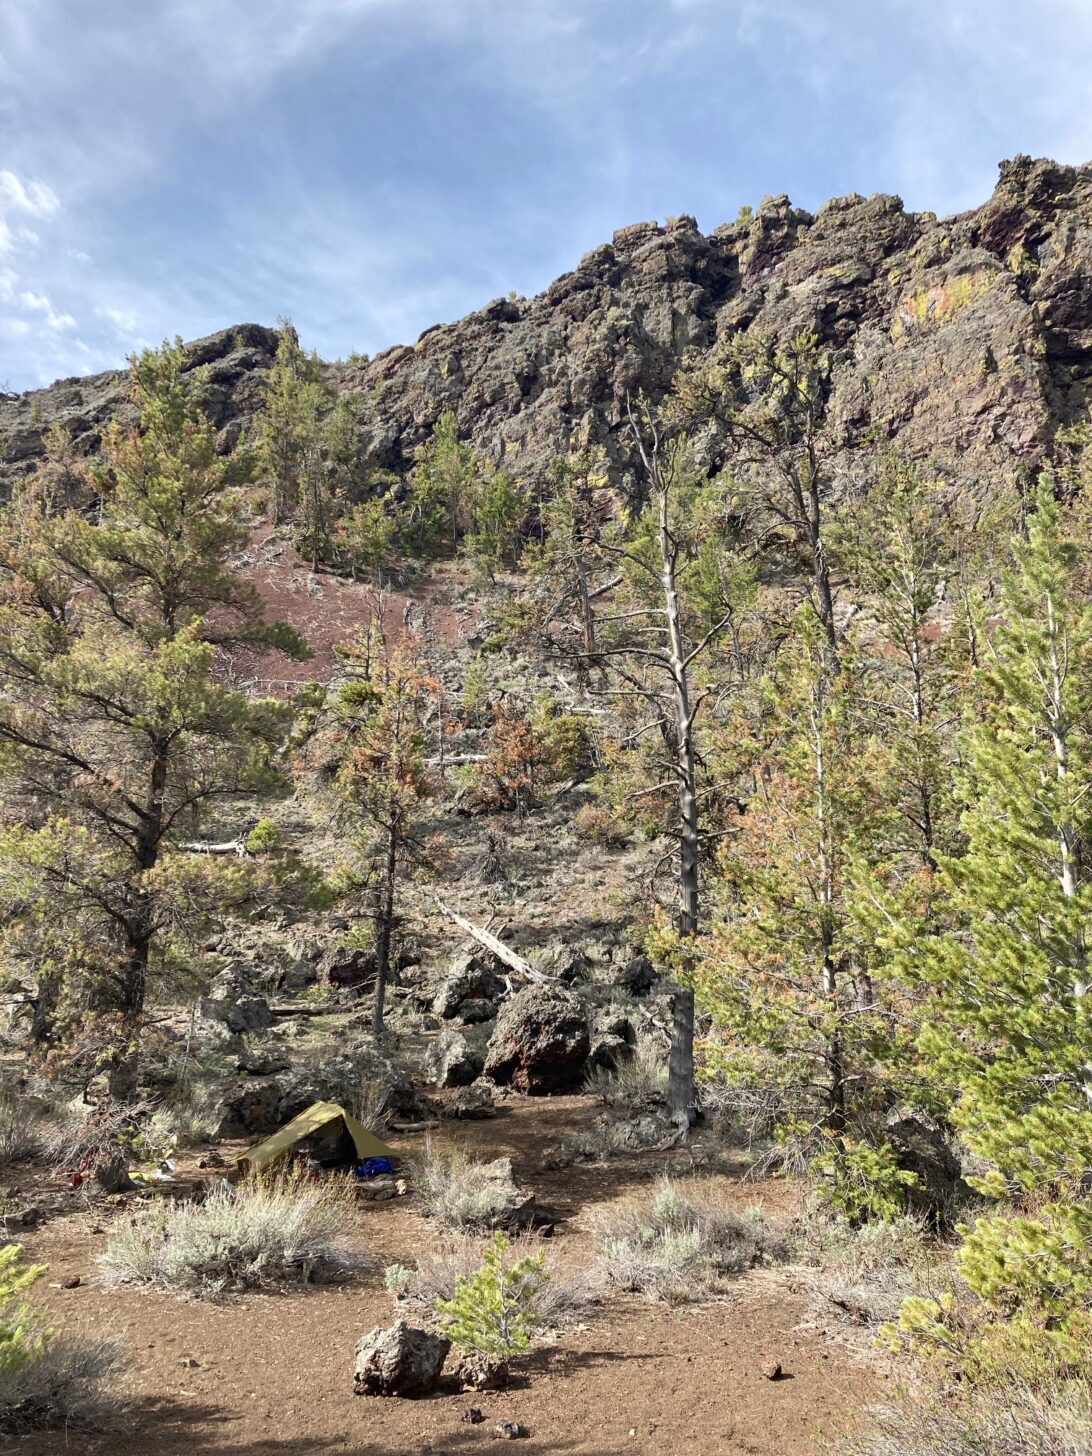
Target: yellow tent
[319,1117]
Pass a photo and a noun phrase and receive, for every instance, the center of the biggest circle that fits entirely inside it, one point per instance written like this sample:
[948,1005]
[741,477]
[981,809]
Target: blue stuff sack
[373,1168]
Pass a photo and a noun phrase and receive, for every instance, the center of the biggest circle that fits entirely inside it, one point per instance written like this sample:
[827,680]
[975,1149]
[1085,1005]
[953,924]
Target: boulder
[476,1011]
[262,1105]
[920,1147]
[262,1062]
[637,977]
[250,1110]
[540,1043]
[613,1039]
[479,1371]
[298,976]
[345,965]
[473,1103]
[399,1361]
[231,1005]
[510,1206]
[341,1078]
[608,1051]
[450,1062]
[470,977]
[563,962]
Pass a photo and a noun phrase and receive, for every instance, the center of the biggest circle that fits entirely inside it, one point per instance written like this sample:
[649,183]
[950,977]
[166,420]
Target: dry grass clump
[463,1192]
[634,1081]
[20,1130]
[675,1248]
[865,1273]
[370,1105]
[260,1234]
[71,1385]
[561,1299]
[1009,1419]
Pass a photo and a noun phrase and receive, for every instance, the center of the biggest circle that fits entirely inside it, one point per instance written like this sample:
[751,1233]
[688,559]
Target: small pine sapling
[23,1335]
[493,1311]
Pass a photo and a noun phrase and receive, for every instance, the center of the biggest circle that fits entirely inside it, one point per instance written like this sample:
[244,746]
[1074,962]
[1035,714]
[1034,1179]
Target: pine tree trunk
[681,1065]
[384,931]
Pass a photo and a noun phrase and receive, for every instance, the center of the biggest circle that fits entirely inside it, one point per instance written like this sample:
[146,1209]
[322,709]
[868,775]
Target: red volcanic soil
[330,609]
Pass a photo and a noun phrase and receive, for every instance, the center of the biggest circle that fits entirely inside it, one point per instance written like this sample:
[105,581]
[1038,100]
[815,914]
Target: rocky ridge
[965,340]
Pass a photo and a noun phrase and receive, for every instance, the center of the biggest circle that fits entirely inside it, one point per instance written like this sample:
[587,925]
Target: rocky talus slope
[965,340]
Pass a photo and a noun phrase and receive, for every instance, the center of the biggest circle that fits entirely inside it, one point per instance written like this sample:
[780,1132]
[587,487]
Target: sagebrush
[463,1192]
[260,1234]
[676,1248]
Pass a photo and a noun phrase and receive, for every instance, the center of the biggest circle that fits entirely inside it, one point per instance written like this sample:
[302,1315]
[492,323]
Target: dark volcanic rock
[470,981]
[541,1041]
[399,1361]
[450,1062]
[966,340]
[474,1103]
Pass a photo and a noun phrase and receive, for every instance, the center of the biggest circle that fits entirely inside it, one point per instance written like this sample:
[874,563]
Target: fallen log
[494,946]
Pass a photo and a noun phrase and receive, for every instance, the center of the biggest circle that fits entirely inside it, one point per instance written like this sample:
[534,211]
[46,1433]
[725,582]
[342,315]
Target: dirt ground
[271,1375]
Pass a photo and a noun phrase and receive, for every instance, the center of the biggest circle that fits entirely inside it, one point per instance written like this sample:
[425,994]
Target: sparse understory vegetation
[758,788]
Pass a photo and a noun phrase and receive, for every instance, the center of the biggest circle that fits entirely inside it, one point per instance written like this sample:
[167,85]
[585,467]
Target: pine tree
[785,973]
[378,722]
[117,735]
[1008,1012]
[498,510]
[441,491]
[492,1310]
[295,402]
[24,1331]
[768,402]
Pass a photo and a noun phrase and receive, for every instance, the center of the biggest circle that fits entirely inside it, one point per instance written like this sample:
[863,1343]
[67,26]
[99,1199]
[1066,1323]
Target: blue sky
[371,167]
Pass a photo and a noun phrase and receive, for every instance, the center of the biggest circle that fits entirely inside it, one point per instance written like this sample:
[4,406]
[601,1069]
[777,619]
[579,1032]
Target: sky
[371,167]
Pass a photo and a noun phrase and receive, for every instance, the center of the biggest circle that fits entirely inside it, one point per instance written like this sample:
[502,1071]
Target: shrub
[558,1300]
[598,824]
[492,1311]
[862,1180]
[70,1385]
[866,1272]
[1011,1419]
[677,1249]
[638,1079]
[462,1192]
[20,1139]
[1022,1303]
[24,1333]
[370,1105]
[260,1234]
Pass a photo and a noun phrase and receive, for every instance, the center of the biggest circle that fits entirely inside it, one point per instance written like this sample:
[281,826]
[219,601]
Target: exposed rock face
[236,358]
[450,1062]
[541,1042]
[399,1361]
[966,340]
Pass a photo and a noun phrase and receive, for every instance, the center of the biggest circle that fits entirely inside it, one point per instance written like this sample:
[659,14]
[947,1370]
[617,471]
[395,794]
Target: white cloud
[39,303]
[123,319]
[33,196]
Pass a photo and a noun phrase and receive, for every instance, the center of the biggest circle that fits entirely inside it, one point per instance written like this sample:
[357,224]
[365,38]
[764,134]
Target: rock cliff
[965,340]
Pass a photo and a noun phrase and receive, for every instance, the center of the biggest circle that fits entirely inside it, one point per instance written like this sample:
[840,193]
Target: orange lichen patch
[929,307]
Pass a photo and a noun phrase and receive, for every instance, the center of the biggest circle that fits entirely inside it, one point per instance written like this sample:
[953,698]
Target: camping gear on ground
[324,1130]
[373,1168]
